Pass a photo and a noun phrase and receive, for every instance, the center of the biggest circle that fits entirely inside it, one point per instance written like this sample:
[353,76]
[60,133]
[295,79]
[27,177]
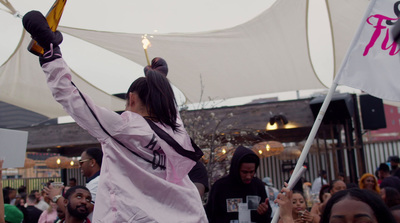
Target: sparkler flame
[146,42]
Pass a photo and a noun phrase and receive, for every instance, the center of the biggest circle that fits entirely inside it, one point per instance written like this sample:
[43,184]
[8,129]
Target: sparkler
[146,43]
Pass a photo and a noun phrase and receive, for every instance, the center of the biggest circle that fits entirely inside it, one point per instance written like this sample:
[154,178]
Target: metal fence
[374,154]
[37,183]
[30,183]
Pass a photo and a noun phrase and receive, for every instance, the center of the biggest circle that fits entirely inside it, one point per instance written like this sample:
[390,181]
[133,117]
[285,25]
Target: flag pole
[293,180]
[325,105]
[310,139]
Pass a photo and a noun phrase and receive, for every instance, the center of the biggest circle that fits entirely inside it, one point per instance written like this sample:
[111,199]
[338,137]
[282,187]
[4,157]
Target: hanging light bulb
[266,149]
[72,163]
[58,161]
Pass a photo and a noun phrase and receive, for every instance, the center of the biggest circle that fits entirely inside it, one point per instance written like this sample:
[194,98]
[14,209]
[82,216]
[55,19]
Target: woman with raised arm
[143,178]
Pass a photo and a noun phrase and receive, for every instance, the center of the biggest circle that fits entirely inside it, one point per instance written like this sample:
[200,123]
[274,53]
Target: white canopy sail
[269,53]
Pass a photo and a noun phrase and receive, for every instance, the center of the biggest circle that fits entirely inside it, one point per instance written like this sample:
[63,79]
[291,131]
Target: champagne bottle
[53,18]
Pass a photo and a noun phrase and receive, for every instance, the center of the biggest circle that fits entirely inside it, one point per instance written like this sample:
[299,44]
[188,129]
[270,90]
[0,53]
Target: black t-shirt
[31,214]
[198,174]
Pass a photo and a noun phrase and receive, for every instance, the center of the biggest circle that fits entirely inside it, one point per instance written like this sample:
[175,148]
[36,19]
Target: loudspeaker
[372,112]
[340,108]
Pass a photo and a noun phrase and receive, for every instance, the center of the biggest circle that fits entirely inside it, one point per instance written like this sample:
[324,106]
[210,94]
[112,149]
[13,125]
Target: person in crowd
[351,205]
[394,164]
[299,185]
[31,212]
[21,195]
[74,205]
[12,214]
[383,172]
[356,205]
[199,176]
[144,178]
[12,194]
[334,187]
[6,198]
[22,190]
[232,196]
[369,182]
[272,193]
[21,203]
[395,210]
[49,215]
[90,164]
[72,182]
[323,196]
[391,182]
[60,215]
[300,213]
[40,202]
[318,182]
[390,196]
[342,177]
[8,213]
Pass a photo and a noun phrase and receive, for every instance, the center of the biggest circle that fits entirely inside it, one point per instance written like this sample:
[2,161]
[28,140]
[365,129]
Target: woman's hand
[284,200]
[307,216]
[53,191]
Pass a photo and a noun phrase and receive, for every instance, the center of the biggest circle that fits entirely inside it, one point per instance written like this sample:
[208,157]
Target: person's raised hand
[284,200]
[53,191]
[36,24]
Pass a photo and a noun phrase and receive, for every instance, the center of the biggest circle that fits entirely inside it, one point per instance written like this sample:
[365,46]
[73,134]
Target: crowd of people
[376,198]
[148,171]
[38,207]
[237,197]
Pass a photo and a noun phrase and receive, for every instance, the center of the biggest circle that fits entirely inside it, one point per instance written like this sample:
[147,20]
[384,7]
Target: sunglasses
[82,161]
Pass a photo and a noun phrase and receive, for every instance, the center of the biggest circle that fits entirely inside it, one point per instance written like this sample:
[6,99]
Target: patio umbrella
[290,153]
[56,162]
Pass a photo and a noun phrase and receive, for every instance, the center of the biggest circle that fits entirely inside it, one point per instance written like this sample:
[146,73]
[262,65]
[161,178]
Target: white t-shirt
[316,186]
[92,186]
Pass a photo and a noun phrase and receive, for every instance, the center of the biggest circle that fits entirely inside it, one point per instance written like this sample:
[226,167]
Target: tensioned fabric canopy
[269,53]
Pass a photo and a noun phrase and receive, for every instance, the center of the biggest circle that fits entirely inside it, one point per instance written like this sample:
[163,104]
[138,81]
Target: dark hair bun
[157,64]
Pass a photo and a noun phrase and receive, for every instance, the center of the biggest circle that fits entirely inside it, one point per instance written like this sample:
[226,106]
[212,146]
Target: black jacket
[227,192]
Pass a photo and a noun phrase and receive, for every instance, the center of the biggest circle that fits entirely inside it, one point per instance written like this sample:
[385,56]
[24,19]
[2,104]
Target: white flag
[372,63]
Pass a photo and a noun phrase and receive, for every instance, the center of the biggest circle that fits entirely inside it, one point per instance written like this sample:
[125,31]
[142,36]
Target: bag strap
[195,156]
